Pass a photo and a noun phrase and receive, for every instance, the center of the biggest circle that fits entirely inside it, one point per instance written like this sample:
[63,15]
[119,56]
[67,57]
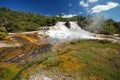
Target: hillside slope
[79,60]
[76,60]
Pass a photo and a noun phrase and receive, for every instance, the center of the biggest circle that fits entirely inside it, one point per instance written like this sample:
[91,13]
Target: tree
[117,26]
[14,27]
[67,24]
[54,21]
[109,29]
[3,33]
[48,21]
[60,16]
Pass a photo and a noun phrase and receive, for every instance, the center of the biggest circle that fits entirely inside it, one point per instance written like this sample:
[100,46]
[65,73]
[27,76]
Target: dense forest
[18,21]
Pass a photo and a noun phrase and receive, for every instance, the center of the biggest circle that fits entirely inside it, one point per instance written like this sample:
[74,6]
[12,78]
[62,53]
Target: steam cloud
[96,23]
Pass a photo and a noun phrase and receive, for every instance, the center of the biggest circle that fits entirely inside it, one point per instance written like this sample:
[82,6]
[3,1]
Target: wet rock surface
[20,54]
[30,45]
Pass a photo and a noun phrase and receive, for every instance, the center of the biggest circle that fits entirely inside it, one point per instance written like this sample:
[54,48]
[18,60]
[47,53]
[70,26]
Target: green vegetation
[51,22]
[76,60]
[83,60]
[15,21]
[8,70]
[3,33]
[111,27]
[67,24]
[4,73]
[106,26]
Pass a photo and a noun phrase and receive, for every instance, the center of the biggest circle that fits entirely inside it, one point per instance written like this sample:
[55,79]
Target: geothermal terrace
[60,33]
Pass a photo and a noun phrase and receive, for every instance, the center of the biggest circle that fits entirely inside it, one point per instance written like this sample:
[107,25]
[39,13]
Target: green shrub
[109,29]
[3,33]
[67,24]
[5,73]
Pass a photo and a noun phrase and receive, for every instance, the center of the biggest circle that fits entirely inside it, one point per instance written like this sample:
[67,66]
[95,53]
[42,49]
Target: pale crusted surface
[8,45]
[60,31]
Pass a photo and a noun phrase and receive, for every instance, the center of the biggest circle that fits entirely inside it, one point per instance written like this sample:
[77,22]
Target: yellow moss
[11,66]
[96,77]
[41,66]
[70,63]
[25,74]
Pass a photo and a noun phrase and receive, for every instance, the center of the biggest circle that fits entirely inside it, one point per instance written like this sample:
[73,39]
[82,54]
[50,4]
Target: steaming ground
[80,60]
[60,33]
